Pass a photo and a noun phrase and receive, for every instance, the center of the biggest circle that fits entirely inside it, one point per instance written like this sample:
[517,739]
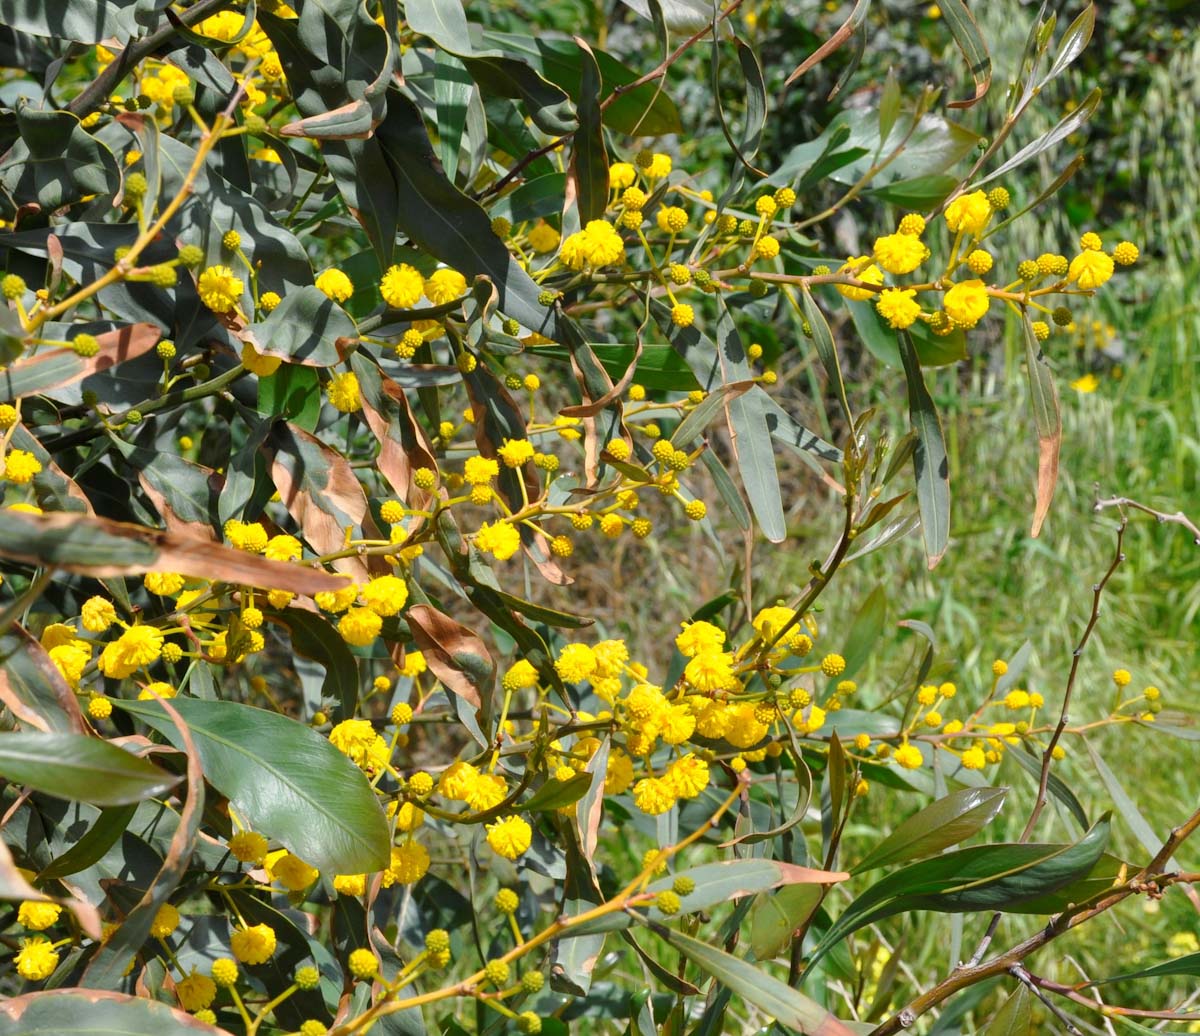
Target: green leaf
[864,631]
[293,392]
[304,328]
[75,766]
[54,368]
[1069,124]
[921,193]
[974,50]
[1189,964]
[753,90]
[1072,44]
[647,110]
[827,351]
[936,827]
[314,638]
[1032,765]
[452,86]
[787,1006]
[1047,418]
[930,463]
[1014,1017]
[56,162]
[1125,805]
[555,794]
[659,366]
[538,196]
[880,339]
[589,160]
[776,915]
[90,849]
[285,780]
[52,1012]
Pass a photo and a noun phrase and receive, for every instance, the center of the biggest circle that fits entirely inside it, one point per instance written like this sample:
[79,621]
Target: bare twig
[1177,518]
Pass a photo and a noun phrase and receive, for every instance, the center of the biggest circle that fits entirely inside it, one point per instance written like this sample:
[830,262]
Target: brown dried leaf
[101,547]
[455,654]
[116,346]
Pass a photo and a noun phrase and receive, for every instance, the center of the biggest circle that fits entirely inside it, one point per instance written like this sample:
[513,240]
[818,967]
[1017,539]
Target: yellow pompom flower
[385,595]
[658,166]
[898,306]
[38,916]
[509,837]
[653,795]
[290,871]
[219,289]
[254,944]
[969,213]
[478,471]
[899,253]
[350,884]
[516,452]
[500,539]
[335,285]
[710,671]
[543,238]
[36,959]
[908,756]
[138,646]
[966,303]
[862,269]
[196,992]
[576,662]
[97,614]
[521,676]
[166,920]
[687,776]
[621,175]
[360,626]
[20,466]
[1090,269]
[358,739]
[444,286]
[974,758]
[402,286]
[343,392]
[1126,253]
[248,847]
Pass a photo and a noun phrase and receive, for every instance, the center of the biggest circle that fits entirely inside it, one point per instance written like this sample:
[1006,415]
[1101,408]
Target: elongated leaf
[1069,124]
[52,1012]
[930,463]
[847,29]
[314,638]
[974,50]
[864,631]
[556,794]
[745,145]
[53,368]
[285,779]
[33,688]
[1073,43]
[1189,964]
[1032,765]
[827,351]
[1125,805]
[1014,1017]
[1047,418]
[936,827]
[109,826]
[589,160]
[787,1006]
[786,430]
[305,328]
[455,654]
[75,766]
[776,915]
[100,547]
[452,86]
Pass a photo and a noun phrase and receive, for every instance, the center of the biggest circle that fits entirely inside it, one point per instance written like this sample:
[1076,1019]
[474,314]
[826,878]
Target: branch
[1178,518]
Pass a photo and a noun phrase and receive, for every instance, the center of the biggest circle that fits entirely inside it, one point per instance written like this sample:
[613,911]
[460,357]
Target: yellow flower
[360,626]
[254,944]
[479,471]
[521,676]
[861,268]
[509,836]
[899,253]
[138,646]
[282,548]
[543,238]
[966,303]
[335,285]
[196,992]
[402,286]
[575,662]
[219,289]
[385,595]
[290,871]
[158,689]
[974,758]
[699,636]
[38,916]
[969,213]
[653,795]
[444,286]
[659,166]
[248,847]
[165,584]
[263,366]
[710,671]
[621,175]
[687,776]
[516,452]
[458,780]
[1088,383]
[1090,269]
[620,773]
[36,959]
[909,756]
[165,921]
[20,466]
[350,884]
[898,306]
[71,660]
[344,394]
[500,539]
[357,739]
[410,862]
[337,600]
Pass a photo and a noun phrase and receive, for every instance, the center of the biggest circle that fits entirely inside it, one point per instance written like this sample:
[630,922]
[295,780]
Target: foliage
[341,340]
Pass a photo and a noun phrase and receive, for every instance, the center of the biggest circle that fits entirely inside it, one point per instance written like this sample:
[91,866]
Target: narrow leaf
[930,462]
